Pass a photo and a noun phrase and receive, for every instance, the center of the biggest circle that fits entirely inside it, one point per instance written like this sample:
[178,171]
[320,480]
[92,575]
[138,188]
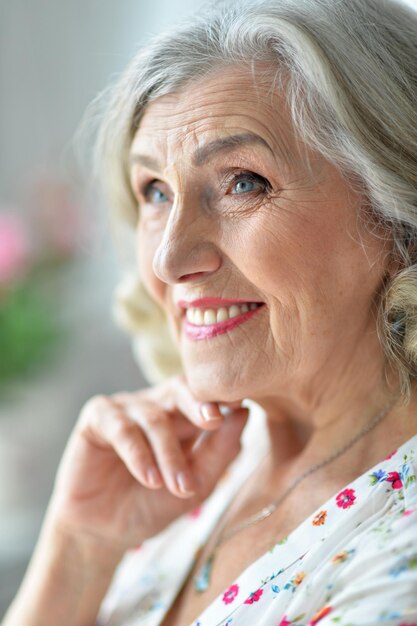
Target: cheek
[294,258]
[315,266]
[147,244]
[277,254]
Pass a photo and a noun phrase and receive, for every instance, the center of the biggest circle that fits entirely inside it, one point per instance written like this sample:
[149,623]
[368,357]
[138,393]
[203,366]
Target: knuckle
[97,403]
[123,428]
[92,408]
[157,419]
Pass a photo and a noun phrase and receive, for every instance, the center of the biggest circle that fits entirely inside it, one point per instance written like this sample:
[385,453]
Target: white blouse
[353,562]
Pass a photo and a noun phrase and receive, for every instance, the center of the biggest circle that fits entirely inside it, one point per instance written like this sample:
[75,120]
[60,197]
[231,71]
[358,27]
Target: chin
[209,386]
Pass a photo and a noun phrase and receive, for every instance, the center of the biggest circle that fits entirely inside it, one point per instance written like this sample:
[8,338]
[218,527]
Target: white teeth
[209,317]
[234,310]
[200,317]
[222,314]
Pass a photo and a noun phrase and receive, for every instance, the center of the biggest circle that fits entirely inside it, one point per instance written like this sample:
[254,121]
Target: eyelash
[246,175]
[148,187]
[230,181]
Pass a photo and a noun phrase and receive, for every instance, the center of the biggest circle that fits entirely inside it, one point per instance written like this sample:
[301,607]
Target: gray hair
[351,88]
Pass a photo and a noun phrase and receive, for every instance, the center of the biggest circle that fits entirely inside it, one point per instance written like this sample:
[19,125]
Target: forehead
[227,101]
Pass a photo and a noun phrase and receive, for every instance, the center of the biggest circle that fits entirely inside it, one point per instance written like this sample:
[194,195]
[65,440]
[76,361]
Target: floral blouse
[353,562]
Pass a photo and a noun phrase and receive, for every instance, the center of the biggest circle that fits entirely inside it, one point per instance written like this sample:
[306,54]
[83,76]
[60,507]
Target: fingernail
[210,411]
[153,477]
[185,482]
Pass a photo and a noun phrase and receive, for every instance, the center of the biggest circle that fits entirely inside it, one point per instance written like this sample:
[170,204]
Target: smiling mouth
[204,323]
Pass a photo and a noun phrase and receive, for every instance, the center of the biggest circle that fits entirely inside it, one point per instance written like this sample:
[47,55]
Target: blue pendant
[202,579]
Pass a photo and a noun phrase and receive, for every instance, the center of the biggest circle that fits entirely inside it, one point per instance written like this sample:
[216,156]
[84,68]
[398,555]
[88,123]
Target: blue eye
[244,186]
[248,183]
[155,195]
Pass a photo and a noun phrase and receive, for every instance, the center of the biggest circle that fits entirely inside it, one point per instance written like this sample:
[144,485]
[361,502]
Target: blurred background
[59,344]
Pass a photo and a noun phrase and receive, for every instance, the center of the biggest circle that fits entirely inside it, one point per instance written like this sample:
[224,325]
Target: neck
[299,441]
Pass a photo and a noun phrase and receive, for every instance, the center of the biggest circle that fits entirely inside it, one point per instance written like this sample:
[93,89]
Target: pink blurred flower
[57,216]
[15,248]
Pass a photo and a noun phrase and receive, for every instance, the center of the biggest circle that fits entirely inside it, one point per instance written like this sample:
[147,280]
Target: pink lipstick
[207,331]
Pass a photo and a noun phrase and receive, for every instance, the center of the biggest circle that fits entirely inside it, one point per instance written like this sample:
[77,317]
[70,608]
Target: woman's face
[228,210]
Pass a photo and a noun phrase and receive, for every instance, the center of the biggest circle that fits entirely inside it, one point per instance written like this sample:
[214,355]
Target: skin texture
[311,356]
[251,223]
[298,243]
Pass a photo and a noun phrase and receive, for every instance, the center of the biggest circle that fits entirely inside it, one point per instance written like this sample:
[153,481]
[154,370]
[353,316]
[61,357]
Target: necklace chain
[202,579]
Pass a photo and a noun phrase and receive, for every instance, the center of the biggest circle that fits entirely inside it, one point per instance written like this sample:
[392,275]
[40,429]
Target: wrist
[67,578]
[82,547]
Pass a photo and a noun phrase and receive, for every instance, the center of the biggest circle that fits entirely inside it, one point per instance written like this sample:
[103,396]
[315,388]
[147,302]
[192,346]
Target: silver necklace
[201,581]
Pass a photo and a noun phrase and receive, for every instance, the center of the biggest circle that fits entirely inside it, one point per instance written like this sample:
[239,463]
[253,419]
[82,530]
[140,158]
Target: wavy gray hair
[351,85]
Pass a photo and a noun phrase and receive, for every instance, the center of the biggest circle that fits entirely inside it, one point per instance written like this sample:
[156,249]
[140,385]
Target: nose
[188,247]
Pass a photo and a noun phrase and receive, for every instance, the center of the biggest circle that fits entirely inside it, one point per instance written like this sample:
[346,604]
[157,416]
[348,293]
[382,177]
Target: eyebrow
[205,153]
[226,144]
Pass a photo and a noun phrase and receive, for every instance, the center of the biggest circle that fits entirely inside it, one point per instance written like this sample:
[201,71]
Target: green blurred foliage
[31,331]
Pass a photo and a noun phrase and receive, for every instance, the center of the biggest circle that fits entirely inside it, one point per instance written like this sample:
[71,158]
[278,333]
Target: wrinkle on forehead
[218,105]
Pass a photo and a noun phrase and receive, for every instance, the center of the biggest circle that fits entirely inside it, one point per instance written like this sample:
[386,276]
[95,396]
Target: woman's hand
[137,461]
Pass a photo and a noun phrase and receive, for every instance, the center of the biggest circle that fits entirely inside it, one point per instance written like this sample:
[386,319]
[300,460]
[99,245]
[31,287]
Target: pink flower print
[391,455]
[230,594]
[320,518]
[325,610]
[395,479]
[346,498]
[408,512]
[254,596]
[284,622]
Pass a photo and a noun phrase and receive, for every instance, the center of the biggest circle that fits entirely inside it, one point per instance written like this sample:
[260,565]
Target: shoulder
[370,577]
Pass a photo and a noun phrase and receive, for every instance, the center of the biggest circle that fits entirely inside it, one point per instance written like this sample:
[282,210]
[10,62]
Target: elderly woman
[265,156]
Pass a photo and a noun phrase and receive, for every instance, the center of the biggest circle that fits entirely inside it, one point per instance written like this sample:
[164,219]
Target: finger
[168,453]
[176,397]
[219,448]
[136,404]
[205,415]
[211,413]
[226,411]
[110,425]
